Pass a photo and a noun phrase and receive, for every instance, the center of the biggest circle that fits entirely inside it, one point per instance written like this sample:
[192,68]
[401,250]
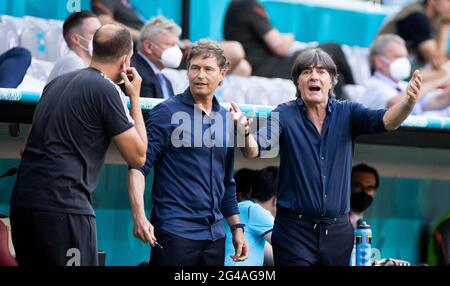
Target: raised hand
[414,86]
[132,81]
[242,122]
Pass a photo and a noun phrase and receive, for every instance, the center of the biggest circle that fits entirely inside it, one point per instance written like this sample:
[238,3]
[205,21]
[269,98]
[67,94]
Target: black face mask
[360,201]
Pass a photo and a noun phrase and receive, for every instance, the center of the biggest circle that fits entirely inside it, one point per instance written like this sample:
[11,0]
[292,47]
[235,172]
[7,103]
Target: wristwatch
[236,226]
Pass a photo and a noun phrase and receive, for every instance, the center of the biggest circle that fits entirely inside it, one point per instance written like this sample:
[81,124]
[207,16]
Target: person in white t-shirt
[78,31]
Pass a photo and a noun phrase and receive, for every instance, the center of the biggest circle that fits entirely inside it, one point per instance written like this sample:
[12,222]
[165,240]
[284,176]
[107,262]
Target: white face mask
[171,57]
[90,46]
[400,68]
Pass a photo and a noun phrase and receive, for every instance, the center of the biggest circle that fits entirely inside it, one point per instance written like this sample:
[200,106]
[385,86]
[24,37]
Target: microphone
[10,172]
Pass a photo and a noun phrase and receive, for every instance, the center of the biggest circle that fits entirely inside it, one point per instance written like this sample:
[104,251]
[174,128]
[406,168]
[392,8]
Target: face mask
[400,68]
[360,201]
[171,57]
[90,46]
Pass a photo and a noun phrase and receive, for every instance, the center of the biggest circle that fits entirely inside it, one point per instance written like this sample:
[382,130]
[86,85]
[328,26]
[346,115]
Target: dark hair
[367,169]
[310,58]
[111,41]
[265,184]
[206,49]
[244,181]
[75,20]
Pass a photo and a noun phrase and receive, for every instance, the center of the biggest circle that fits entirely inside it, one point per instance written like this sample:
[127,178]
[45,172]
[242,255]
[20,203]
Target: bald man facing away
[52,219]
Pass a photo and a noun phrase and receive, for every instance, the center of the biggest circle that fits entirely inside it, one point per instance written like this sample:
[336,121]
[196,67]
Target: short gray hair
[207,48]
[379,47]
[157,26]
[312,57]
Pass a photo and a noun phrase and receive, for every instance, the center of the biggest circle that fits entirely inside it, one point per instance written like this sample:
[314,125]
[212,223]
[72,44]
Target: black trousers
[178,251]
[43,238]
[300,241]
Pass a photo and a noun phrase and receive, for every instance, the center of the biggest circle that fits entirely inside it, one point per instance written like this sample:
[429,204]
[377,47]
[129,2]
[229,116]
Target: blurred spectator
[257,213]
[364,185]
[244,179]
[388,59]
[158,49]
[424,27]
[78,32]
[121,11]
[271,53]
[14,64]
[118,11]
[439,246]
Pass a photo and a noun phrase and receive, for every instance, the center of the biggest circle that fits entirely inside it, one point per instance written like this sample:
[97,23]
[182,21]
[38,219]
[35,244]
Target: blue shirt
[193,187]
[315,168]
[258,223]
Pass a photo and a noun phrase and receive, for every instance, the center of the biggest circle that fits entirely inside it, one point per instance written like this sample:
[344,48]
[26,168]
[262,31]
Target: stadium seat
[8,37]
[56,46]
[18,23]
[35,21]
[33,38]
[40,69]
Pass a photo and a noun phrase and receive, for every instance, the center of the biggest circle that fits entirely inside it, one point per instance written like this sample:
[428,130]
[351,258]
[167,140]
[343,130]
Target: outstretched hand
[242,122]
[414,86]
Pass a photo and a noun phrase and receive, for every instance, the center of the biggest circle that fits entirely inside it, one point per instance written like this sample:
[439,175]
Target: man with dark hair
[257,213]
[52,219]
[244,180]
[190,147]
[78,30]
[364,185]
[424,27]
[315,135]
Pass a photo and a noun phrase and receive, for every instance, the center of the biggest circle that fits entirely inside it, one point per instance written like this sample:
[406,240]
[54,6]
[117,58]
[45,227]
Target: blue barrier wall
[206,19]
[401,216]
[113,213]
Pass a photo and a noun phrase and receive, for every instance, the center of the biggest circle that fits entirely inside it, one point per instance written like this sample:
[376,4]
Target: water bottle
[363,242]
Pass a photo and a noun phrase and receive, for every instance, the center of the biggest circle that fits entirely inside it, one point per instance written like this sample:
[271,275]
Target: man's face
[165,40]
[204,75]
[392,52]
[86,32]
[442,8]
[364,182]
[314,84]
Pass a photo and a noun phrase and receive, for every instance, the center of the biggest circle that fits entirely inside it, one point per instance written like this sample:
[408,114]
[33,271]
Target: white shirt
[380,89]
[68,63]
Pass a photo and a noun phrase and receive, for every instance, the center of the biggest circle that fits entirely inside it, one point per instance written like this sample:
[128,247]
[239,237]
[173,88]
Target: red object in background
[6,258]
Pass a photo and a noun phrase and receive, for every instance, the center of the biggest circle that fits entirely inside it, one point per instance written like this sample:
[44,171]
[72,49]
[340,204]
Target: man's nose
[201,73]
[314,74]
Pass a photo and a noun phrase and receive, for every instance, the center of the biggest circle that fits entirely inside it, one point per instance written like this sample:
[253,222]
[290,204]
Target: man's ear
[148,47]
[223,73]
[124,63]
[377,61]
[74,39]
